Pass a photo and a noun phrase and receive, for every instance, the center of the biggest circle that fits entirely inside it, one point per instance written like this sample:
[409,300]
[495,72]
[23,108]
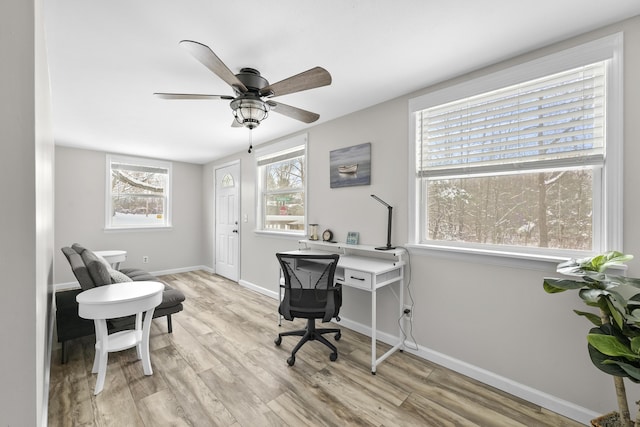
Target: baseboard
[545,400]
[183,270]
[258,289]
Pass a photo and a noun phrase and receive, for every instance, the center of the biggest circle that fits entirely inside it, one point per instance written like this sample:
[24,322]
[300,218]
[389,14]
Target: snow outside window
[138,193]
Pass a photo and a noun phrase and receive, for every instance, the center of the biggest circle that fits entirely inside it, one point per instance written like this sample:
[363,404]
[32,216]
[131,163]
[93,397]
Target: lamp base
[385,248]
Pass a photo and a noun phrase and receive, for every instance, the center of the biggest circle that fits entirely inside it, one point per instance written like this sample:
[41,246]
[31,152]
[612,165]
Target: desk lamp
[390,208]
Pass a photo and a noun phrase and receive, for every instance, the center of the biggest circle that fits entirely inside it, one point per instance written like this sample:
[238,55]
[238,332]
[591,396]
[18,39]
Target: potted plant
[614,342]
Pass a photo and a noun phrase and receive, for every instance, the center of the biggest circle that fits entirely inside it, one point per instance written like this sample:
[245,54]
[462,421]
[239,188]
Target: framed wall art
[350,166]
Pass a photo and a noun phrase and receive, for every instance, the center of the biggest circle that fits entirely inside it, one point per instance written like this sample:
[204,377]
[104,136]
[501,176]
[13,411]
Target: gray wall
[26,231]
[490,313]
[79,216]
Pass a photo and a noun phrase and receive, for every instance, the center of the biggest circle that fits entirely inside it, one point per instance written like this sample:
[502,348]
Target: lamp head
[381,201]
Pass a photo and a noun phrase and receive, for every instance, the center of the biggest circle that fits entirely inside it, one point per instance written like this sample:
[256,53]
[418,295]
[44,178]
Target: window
[138,193]
[525,160]
[282,187]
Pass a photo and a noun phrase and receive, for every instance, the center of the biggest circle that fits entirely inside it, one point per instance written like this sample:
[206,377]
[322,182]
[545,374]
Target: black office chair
[310,293]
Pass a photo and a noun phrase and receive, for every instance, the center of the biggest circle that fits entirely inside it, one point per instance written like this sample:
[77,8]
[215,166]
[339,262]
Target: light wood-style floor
[220,367]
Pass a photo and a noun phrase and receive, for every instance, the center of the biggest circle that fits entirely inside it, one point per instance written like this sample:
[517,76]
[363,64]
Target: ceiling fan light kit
[249,112]
[250,105]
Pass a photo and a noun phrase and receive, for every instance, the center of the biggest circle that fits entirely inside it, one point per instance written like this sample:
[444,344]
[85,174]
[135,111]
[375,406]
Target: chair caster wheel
[333,357]
[338,336]
[291,360]
[278,341]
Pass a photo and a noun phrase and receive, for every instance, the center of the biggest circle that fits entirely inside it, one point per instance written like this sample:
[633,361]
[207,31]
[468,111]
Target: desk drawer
[357,279]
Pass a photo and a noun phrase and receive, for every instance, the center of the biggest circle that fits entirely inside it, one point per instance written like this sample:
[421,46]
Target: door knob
[235,231]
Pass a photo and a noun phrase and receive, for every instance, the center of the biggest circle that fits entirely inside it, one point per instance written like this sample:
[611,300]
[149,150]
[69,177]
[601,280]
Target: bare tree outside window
[284,195]
[282,187]
[545,209]
[138,194]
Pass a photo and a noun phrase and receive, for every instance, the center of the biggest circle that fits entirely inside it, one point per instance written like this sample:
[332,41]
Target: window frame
[607,191]
[116,158]
[274,150]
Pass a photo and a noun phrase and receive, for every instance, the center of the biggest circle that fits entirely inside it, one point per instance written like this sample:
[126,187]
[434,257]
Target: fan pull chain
[250,141]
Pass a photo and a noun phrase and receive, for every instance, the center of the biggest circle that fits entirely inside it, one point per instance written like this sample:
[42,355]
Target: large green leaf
[632,371]
[603,261]
[553,286]
[615,313]
[593,318]
[592,295]
[611,346]
[598,359]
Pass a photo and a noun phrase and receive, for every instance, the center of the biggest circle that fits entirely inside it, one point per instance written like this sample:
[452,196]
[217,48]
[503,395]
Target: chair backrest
[309,288]
[87,267]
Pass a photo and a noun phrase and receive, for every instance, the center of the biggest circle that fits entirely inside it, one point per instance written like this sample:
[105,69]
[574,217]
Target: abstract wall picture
[350,166]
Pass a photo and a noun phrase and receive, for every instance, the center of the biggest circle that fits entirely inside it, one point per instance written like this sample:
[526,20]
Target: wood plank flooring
[220,367]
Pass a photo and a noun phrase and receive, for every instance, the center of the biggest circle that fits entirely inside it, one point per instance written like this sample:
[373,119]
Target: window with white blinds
[553,121]
[527,156]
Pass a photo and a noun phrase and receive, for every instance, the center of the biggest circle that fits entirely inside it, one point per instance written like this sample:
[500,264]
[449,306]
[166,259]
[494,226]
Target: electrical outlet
[145,259]
[408,311]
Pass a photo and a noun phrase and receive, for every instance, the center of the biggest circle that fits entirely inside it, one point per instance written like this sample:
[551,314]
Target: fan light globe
[249,112]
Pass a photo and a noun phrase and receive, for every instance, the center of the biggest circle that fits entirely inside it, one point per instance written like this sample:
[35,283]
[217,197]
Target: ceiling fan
[251,103]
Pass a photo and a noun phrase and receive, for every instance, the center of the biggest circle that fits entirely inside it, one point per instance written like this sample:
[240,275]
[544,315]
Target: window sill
[137,229]
[522,260]
[280,234]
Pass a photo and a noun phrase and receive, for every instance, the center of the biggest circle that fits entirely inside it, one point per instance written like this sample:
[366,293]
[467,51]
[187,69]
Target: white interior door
[227,217]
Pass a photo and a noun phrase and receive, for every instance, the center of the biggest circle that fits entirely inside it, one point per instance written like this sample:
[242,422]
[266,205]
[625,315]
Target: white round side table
[113,257]
[119,300]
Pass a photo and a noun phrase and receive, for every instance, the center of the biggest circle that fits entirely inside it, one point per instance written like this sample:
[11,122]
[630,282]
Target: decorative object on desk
[327,235]
[350,166]
[390,209]
[352,237]
[613,342]
[313,231]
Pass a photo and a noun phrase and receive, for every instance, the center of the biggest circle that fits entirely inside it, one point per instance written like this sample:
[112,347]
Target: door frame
[215,210]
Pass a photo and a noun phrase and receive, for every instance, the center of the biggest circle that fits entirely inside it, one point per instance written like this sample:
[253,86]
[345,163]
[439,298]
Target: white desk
[364,267]
[119,300]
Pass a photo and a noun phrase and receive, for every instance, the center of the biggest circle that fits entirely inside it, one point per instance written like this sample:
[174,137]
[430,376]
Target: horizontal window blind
[555,121]
[281,156]
[138,168]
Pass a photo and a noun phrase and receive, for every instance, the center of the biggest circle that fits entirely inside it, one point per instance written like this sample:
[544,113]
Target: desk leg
[400,330]
[100,359]
[146,330]
[374,329]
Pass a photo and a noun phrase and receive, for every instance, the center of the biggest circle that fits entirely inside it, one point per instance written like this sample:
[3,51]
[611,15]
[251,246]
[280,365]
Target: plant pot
[612,419]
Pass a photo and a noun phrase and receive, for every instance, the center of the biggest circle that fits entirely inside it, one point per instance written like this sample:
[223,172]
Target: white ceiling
[107,57]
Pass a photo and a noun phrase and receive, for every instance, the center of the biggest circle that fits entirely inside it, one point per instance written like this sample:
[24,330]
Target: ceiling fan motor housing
[252,79]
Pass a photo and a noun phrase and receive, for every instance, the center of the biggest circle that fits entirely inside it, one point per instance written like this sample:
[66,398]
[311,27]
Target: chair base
[311,333]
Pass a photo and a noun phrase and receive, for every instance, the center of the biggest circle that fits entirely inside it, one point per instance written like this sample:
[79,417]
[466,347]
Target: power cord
[410,310]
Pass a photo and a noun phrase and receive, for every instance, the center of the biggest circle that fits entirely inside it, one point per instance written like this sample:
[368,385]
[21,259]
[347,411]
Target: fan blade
[210,60]
[293,112]
[190,96]
[235,124]
[315,77]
